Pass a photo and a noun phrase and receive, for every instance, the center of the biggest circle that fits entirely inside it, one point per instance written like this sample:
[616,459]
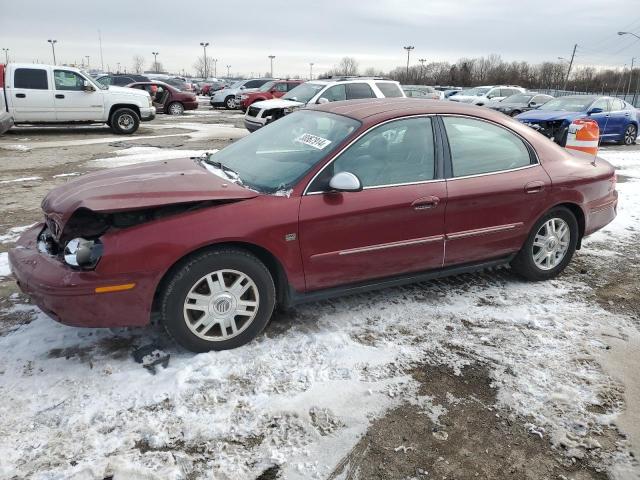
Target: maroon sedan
[167,99]
[339,198]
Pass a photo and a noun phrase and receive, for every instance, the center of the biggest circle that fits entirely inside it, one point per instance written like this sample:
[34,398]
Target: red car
[167,99]
[338,198]
[269,90]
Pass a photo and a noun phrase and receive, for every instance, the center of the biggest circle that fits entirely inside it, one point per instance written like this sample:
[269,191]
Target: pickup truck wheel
[124,121]
[175,108]
[230,102]
[218,300]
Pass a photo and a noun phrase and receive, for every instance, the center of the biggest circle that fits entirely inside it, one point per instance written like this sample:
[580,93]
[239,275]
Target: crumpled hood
[547,115]
[277,103]
[140,186]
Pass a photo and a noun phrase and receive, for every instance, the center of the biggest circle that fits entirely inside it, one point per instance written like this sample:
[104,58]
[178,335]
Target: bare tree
[138,64]
[200,69]
[348,66]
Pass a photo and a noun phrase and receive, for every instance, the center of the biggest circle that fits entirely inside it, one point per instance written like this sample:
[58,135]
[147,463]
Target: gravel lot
[477,376]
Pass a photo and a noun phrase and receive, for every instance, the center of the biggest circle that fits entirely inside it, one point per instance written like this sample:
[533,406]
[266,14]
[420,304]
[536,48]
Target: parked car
[227,96]
[518,103]
[482,95]
[273,89]
[422,91]
[334,199]
[120,79]
[47,94]
[451,92]
[208,88]
[167,99]
[6,121]
[319,91]
[617,119]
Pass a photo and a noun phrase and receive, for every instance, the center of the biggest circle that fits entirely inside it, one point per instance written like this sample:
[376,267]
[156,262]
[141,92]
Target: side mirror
[345,182]
[533,104]
[322,100]
[242,87]
[87,87]
[595,110]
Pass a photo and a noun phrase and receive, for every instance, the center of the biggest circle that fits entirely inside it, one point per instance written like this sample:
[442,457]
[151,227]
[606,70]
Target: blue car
[618,120]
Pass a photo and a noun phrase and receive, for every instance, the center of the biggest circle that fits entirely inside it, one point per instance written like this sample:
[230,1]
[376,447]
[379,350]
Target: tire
[630,135]
[187,300]
[175,108]
[124,121]
[230,102]
[515,112]
[525,263]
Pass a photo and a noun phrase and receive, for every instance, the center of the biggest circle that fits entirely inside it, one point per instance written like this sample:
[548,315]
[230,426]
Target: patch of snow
[133,155]
[283,193]
[16,147]
[24,179]
[72,174]
[14,233]
[5,271]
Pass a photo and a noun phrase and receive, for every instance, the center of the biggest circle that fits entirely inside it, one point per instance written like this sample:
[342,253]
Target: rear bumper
[601,212]
[68,296]
[191,105]
[147,114]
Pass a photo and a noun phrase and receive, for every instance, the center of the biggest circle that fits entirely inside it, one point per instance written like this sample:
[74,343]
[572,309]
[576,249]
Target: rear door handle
[534,187]
[59,95]
[21,95]
[425,203]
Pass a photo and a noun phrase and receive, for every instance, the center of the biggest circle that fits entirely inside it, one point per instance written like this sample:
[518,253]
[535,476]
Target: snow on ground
[23,179]
[4,264]
[14,233]
[16,147]
[132,155]
[76,406]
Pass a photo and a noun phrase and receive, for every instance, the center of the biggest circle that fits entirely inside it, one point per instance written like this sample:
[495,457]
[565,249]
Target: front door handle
[21,95]
[59,95]
[534,187]
[425,203]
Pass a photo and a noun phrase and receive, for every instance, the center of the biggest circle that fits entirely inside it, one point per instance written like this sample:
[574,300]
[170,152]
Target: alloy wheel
[126,121]
[221,305]
[551,243]
[630,135]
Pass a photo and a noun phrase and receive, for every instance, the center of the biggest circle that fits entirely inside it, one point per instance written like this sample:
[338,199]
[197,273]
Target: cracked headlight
[83,253]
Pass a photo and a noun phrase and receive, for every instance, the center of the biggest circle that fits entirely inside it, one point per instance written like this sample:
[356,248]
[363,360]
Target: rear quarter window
[31,78]
[359,90]
[390,90]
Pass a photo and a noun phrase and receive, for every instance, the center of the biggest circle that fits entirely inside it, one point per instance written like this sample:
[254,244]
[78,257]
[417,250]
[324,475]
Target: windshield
[303,92]
[475,91]
[568,104]
[266,87]
[274,158]
[237,84]
[518,98]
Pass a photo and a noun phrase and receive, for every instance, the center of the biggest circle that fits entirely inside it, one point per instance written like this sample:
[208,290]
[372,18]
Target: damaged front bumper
[555,130]
[72,296]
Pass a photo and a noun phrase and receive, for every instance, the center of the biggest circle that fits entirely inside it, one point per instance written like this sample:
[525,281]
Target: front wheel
[175,108]
[230,102]
[630,135]
[124,121]
[549,247]
[218,300]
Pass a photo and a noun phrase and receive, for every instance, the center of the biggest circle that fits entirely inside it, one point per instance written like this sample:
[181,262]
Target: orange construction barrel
[583,135]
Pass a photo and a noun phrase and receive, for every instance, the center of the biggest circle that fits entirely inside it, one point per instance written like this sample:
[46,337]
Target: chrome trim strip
[383,246]
[337,155]
[493,173]
[483,231]
[372,187]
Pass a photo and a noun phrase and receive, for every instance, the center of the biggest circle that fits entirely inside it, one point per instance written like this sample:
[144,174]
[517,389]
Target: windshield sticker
[313,141]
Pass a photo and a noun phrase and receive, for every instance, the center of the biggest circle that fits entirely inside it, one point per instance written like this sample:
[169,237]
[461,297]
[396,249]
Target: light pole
[53,49]
[87,57]
[204,45]
[118,71]
[228,70]
[638,82]
[215,68]
[6,55]
[310,70]
[271,57]
[155,59]
[408,48]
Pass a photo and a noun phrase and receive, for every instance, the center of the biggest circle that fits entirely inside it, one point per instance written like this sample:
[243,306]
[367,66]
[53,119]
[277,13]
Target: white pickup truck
[46,94]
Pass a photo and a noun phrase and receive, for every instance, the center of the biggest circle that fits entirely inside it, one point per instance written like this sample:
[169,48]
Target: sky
[243,34]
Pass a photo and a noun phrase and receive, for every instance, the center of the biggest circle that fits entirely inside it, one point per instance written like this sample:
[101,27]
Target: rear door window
[390,90]
[31,78]
[359,90]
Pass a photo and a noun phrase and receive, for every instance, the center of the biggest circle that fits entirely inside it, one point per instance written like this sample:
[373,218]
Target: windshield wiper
[231,173]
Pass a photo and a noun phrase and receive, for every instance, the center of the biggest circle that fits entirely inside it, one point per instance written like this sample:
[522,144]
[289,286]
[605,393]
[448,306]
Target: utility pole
[6,55]
[215,67]
[630,77]
[87,57]
[101,57]
[204,45]
[118,71]
[271,57]
[228,70]
[570,65]
[155,60]
[53,49]
[408,49]
[310,70]
[422,62]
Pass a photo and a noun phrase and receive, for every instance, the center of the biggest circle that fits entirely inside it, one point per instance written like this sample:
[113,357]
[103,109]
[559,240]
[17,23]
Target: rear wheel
[218,300]
[175,108]
[630,135]
[124,121]
[230,102]
[549,247]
